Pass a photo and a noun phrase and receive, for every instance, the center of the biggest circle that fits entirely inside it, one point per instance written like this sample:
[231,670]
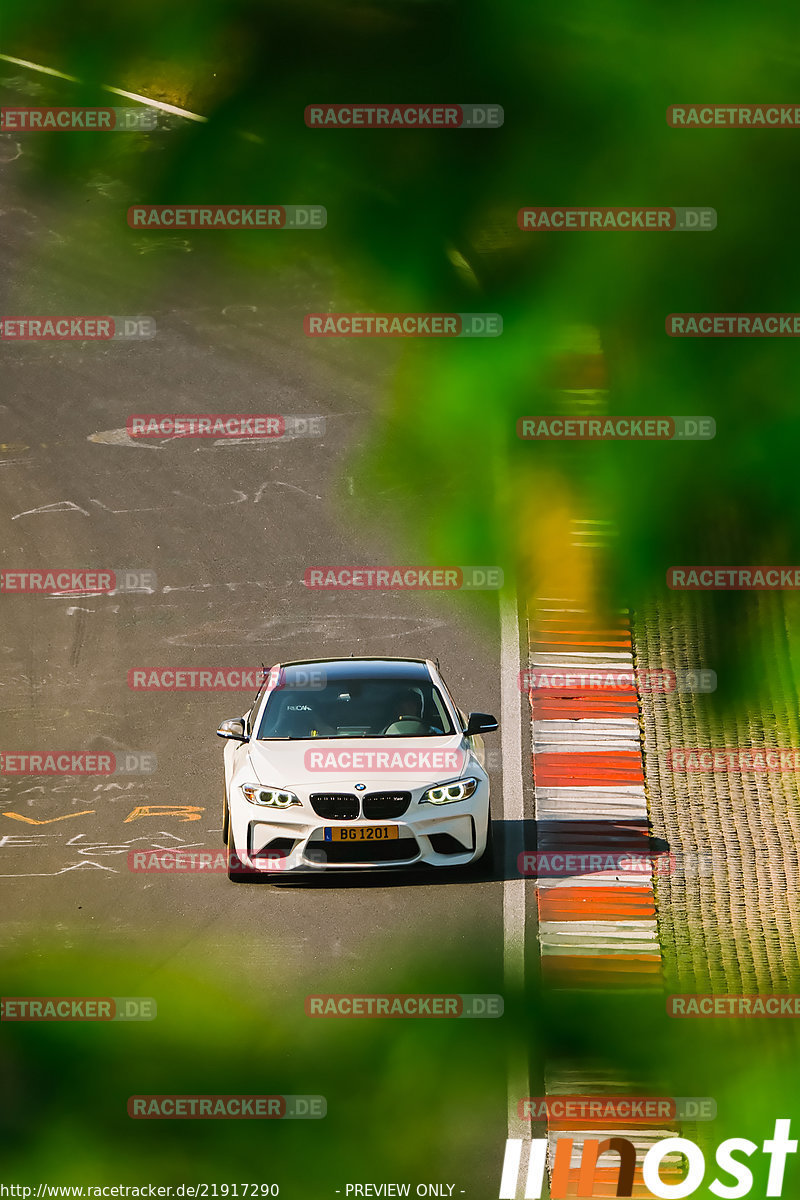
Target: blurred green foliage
[426,221]
[433,1111]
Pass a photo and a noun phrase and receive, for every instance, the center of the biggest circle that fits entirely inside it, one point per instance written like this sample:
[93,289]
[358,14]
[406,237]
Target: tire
[235,872]
[226,819]
[483,867]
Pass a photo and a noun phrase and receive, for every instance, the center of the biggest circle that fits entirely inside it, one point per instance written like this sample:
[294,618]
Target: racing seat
[407,727]
[406,716]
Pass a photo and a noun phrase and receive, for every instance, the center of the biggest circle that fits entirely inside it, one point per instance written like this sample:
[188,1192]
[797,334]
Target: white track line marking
[513,812]
[23,62]
[170,108]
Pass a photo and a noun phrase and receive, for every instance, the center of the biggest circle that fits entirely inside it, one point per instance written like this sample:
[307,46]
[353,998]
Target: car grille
[397,850]
[380,805]
[334,806]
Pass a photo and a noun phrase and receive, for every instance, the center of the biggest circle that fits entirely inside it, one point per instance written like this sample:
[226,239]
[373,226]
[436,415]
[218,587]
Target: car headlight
[269,797]
[448,793]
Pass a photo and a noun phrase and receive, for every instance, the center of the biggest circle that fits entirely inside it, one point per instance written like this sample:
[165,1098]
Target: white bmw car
[355,764]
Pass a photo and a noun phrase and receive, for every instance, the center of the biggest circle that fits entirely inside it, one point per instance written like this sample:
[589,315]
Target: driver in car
[408,717]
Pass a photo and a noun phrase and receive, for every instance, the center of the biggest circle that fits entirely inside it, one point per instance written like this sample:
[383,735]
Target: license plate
[361,833]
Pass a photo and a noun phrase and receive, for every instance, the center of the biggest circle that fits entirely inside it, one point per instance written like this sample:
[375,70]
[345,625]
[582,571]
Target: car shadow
[509,839]
[512,842]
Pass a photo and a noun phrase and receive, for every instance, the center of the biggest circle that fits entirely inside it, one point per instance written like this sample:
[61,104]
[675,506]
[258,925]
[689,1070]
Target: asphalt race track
[228,530]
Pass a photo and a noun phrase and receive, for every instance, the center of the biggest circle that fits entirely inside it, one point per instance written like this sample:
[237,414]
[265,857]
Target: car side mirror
[233,730]
[480,723]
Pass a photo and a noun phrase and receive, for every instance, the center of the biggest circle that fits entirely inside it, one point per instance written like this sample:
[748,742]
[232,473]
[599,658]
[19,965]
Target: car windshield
[350,708]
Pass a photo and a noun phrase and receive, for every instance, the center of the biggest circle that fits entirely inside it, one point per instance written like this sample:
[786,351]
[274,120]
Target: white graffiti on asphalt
[69,506]
[93,849]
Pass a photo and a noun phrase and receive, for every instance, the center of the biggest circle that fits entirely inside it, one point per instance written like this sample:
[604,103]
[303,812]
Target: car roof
[367,668]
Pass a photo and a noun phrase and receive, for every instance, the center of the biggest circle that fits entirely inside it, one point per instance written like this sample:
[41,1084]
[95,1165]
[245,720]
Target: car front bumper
[449,835]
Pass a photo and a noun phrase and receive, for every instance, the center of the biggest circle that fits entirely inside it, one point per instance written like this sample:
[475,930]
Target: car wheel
[483,867]
[226,819]
[236,873]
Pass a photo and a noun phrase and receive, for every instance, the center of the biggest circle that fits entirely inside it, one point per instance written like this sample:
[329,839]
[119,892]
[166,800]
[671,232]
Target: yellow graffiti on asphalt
[32,820]
[191,811]
[183,812]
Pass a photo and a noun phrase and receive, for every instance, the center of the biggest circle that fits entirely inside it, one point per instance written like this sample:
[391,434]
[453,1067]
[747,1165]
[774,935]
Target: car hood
[401,763]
